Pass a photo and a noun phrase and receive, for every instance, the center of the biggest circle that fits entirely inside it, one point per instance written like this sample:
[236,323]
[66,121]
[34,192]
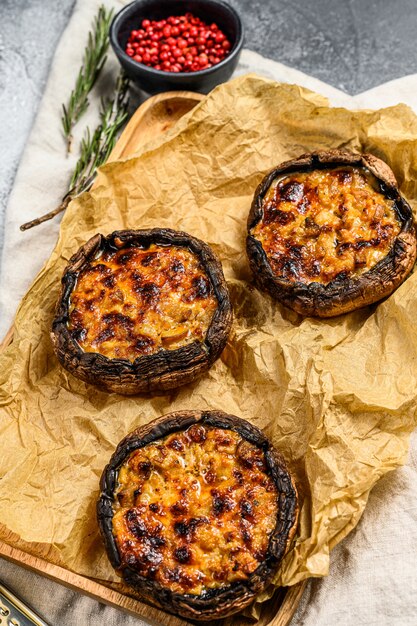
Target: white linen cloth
[373,573]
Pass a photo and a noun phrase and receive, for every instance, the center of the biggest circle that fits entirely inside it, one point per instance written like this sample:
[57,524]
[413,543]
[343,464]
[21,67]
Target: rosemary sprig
[93,61]
[95,148]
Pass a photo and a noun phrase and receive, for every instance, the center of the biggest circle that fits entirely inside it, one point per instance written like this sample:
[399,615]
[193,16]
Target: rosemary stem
[95,148]
[48,216]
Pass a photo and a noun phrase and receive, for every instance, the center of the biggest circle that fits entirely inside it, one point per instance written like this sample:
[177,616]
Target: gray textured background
[29,33]
[351,44]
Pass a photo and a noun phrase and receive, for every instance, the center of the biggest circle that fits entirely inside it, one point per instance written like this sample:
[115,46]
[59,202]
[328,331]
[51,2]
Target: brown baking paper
[337,397]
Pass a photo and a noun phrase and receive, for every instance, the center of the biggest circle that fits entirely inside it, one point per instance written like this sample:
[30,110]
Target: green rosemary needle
[92,63]
[95,148]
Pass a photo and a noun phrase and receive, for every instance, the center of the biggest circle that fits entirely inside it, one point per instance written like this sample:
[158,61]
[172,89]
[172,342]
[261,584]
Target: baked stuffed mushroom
[196,511]
[329,232]
[141,311]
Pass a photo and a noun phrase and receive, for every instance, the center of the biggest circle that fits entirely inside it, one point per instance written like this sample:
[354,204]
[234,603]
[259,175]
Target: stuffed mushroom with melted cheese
[329,232]
[141,311]
[196,511]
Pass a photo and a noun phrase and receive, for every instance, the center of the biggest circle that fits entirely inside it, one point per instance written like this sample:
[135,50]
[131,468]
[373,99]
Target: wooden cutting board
[151,119]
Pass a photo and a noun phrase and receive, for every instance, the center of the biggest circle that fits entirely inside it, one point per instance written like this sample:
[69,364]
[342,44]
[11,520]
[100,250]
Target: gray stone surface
[351,44]
[29,33]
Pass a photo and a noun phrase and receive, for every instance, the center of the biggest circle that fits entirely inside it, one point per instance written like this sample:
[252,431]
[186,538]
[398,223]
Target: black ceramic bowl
[155,81]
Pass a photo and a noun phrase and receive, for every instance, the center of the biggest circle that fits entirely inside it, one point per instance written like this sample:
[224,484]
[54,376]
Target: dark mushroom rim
[163,362]
[231,598]
[343,290]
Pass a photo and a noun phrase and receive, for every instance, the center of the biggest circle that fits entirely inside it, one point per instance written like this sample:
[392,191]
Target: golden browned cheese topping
[132,302]
[195,510]
[324,224]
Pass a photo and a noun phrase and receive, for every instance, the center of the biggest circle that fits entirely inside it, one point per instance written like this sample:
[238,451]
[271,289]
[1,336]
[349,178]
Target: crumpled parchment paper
[337,397]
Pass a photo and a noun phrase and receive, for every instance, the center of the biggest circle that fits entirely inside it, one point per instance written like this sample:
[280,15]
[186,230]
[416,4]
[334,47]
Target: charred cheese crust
[133,302]
[141,311]
[195,510]
[325,224]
